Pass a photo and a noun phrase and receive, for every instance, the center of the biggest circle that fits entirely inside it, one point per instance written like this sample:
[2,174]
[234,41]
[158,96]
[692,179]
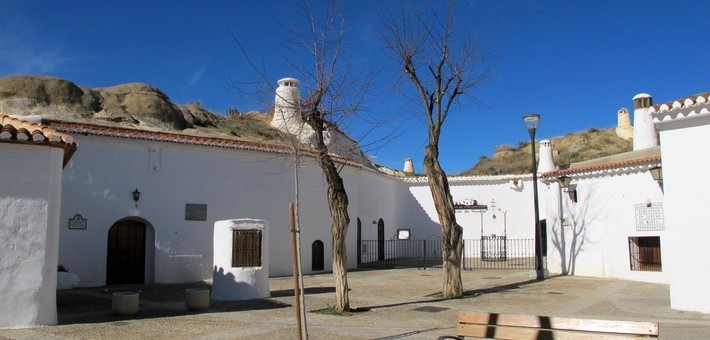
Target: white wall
[29,232]
[516,203]
[686,158]
[233,183]
[596,240]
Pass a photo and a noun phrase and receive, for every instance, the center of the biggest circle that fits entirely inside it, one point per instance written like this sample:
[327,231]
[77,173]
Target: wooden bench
[512,326]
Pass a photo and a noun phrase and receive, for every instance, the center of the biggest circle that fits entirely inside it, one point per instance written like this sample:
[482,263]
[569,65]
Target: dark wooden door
[380,240]
[359,241]
[318,255]
[125,262]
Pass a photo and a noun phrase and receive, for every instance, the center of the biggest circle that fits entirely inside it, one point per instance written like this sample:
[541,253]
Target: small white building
[605,223]
[31,167]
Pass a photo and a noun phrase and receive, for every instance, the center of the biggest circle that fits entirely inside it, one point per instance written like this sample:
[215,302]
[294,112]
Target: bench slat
[558,323]
[518,333]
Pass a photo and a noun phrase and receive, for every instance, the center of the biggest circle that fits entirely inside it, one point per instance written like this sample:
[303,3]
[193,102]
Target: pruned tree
[334,95]
[443,65]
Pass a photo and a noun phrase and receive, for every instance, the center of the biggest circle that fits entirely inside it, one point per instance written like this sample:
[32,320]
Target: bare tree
[335,92]
[443,65]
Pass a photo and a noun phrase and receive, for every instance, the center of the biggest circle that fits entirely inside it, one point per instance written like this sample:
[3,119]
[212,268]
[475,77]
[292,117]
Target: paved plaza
[391,304]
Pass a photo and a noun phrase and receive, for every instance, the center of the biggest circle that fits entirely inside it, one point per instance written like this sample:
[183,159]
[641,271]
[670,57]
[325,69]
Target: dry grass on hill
[571,148]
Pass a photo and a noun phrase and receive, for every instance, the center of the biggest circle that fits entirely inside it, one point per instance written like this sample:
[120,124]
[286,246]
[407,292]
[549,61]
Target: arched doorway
[126,253]
[317,256]
[380,240]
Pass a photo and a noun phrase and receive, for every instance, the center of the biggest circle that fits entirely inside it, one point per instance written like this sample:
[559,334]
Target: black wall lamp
[136,197]
[565,182]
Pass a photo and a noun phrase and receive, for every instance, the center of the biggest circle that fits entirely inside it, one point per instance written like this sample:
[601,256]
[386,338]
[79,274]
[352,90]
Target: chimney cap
[641,95]
[289,82]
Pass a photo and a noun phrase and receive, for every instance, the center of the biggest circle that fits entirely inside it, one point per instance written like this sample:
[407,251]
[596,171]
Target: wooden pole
[296,289]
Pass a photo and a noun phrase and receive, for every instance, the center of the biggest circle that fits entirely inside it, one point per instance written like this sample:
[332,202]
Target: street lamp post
[532,121]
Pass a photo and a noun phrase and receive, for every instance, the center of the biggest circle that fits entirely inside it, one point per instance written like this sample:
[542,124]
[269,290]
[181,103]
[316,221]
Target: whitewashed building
[149,201]
[31,167]
[638,215]
[188,183]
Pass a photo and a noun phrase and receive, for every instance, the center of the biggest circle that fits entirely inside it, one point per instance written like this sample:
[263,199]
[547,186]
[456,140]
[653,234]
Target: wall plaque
[195,212]
[649,216]
[77,222]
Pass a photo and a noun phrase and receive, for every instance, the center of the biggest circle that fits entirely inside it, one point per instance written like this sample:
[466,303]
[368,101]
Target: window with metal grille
[246,248]
[645,253]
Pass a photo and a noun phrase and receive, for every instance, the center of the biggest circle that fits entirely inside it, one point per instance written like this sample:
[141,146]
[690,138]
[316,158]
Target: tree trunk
[338,203]
[451,232]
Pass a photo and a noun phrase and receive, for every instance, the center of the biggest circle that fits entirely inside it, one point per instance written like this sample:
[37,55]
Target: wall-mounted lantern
[657,174]
[565,182]
[136,197]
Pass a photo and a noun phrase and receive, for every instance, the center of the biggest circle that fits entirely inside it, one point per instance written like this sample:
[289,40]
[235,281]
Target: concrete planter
[197,298]
[125,303]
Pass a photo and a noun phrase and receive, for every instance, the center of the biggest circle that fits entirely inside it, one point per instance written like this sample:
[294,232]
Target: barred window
[645,253]
[246,248]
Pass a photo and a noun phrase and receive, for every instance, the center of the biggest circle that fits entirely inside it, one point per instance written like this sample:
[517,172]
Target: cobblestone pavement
[390,304]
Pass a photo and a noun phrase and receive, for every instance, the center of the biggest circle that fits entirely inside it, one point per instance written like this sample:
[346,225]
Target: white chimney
[408,166]
[286,103]
[546,163]
[624,129]
[644,130]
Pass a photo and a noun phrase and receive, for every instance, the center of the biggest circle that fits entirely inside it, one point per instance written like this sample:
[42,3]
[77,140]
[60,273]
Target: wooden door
[359,241]
[380,240]
[125,262]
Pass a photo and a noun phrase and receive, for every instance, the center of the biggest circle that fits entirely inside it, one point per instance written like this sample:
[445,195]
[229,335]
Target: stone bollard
[197,298]
[125,303]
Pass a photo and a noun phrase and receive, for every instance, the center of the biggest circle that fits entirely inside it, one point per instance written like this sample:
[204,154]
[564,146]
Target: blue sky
[573,63]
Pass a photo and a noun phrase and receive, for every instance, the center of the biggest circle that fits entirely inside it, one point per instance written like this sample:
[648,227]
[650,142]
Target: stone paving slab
[393,304]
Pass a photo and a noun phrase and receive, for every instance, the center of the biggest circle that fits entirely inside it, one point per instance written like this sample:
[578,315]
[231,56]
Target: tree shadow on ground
[469,294]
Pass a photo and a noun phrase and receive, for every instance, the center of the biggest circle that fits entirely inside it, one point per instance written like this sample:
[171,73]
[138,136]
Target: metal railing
[493,252]
[498,253]
[389,254]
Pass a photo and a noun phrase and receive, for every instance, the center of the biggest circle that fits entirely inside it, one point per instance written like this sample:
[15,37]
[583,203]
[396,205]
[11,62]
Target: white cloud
[196,76]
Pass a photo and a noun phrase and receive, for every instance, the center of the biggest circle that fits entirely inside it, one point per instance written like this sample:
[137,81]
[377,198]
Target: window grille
[645,253]
[246,248]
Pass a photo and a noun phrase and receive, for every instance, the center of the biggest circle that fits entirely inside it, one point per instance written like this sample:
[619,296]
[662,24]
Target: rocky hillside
[133,105]
[571,148]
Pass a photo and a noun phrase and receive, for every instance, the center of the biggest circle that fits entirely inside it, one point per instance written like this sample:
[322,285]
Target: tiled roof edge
[105,131]
[694,105]
[462,179]
[16,130]
[606,168]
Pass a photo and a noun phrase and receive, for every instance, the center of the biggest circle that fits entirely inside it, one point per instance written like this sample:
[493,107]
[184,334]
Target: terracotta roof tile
[693,106]
[683,102]
[606,167]
[186,139]
[15,130]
